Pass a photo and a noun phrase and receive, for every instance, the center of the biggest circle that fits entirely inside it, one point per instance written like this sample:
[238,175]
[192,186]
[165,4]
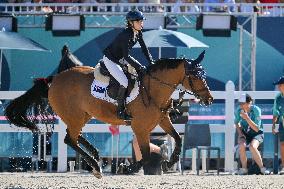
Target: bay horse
[69,95]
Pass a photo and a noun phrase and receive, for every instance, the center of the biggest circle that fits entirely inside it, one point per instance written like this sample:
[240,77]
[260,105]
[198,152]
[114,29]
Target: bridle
[188,72]
[197,71]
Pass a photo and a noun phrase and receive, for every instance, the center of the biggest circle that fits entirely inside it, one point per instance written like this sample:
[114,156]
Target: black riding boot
[121,113]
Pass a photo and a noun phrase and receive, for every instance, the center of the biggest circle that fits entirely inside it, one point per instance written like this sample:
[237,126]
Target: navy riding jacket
[121,46]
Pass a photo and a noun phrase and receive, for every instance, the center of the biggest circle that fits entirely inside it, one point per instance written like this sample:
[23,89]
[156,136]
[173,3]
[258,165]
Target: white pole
[229,126]
[241,59]
[193,160]
[160,52]
[170,150]
[44,146]
[62,148]
[170,145]
[112,146]
[203,156]
[253,51]
[117,151]
[39,145]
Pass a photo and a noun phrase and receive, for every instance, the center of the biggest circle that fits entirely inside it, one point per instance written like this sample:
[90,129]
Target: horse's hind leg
[91,149]
[75,122]
[94,151]
[92,162]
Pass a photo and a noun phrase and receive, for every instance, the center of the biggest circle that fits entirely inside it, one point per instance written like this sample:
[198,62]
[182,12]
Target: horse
[69,96]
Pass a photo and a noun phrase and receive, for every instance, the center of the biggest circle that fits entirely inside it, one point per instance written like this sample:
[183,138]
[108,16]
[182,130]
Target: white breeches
[116,71]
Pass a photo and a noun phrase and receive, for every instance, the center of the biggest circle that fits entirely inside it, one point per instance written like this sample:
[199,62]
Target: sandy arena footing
[139,181]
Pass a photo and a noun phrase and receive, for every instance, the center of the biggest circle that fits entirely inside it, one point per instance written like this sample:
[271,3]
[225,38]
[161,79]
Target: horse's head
[195,80]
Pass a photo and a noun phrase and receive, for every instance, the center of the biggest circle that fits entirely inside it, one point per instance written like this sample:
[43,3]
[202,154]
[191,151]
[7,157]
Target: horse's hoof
[165,167]
[97,174]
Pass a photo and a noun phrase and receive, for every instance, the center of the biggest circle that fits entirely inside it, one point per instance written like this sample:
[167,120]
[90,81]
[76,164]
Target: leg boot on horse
[167,126]
[93,151]
[97,171]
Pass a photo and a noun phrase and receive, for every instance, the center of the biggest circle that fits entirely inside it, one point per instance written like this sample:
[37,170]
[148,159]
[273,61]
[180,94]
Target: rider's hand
[142,70]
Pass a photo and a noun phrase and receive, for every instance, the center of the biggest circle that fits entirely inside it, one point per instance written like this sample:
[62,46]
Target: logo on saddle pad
[99,90]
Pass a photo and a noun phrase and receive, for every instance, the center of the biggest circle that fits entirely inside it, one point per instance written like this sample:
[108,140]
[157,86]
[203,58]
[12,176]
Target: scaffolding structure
[177,15]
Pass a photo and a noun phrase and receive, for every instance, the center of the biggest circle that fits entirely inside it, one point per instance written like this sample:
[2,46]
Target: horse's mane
[164,63]
[172,63]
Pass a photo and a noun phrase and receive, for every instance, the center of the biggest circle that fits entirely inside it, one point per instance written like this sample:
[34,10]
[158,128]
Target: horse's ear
[65,50]
[199,58]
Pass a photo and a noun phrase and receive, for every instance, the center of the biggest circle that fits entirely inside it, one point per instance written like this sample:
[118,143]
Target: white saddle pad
[99,90]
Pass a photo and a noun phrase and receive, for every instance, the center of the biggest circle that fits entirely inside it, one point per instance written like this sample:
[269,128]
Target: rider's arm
[127,57]
[134,63]
[134,60]
[145,50]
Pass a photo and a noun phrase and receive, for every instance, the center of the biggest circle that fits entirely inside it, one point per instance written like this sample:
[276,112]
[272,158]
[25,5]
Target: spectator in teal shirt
[250,132]
[278,112]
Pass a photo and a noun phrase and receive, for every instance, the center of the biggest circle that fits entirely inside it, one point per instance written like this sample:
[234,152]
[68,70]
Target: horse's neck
[162,84]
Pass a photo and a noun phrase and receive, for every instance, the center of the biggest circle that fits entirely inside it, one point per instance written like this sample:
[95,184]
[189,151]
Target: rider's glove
[142,70]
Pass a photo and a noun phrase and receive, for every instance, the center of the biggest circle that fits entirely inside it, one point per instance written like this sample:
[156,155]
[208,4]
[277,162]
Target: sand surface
[88,181]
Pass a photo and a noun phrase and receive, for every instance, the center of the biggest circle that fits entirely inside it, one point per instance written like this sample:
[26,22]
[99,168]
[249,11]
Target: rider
[117,54]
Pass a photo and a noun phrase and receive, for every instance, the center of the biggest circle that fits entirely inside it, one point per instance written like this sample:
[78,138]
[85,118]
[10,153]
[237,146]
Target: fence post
[62,147]
[229,126]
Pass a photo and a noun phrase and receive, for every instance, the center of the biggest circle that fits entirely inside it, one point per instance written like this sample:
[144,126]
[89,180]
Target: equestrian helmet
[134,15]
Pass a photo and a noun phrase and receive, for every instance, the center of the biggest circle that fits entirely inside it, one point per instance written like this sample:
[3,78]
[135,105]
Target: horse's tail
[27,109]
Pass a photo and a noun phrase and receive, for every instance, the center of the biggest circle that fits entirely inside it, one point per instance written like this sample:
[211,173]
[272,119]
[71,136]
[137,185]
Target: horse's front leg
[167,126]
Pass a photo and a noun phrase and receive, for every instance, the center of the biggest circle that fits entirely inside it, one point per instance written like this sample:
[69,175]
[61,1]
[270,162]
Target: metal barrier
[264,9]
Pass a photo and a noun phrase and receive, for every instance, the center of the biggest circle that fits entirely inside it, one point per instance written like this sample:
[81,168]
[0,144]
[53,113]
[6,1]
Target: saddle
[114,85]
